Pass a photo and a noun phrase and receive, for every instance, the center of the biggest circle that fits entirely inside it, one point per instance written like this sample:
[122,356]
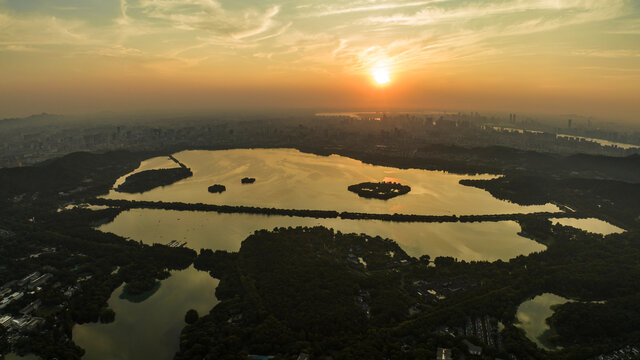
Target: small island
[248,180]
[381,190]
[151,179]
[217,188]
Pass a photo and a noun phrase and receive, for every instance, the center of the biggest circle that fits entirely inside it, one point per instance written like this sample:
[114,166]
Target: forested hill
[70,178]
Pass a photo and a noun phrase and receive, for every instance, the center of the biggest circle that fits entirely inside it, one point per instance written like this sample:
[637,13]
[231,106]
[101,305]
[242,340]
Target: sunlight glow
[381,75]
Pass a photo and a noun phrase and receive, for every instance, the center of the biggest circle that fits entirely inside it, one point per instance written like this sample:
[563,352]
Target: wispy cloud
[405,34]
[472,30]
[326,10]
[40,30]
[612,54]
[209,16]
[627,26]
[18,48]
[568,10]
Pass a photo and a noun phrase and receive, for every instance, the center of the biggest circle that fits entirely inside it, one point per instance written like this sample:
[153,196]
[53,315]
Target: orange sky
[548,56]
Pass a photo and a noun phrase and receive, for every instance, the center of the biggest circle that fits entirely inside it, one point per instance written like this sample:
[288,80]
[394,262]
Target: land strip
[324,214]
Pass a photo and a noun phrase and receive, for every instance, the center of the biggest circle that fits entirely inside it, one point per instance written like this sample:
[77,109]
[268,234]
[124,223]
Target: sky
[547,56]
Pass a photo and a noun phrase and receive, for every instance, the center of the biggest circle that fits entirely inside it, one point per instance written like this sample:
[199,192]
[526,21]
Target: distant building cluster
[24,301]
[12,292]
[480,329]
[629,352]
[38,138]
[437,291]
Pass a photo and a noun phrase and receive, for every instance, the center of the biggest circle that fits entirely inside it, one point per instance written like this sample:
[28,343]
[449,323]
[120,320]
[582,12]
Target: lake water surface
[210,230]
[284,179]
[592,225]
[290,179]
[149,329]
[532,315]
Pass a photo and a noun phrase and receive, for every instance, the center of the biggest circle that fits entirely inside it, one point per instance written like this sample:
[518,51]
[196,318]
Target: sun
[381,75]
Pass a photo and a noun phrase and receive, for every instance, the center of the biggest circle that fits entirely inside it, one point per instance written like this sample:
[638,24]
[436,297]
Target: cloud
[124,6]
[442,32]
[568,10]
[209,16]
[18,48]
[40,30]
[405,34]
[626,27]
[613,54]
[326,10]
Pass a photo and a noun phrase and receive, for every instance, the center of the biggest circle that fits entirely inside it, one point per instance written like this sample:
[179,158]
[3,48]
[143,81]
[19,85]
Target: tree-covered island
[217,189]
[380,190]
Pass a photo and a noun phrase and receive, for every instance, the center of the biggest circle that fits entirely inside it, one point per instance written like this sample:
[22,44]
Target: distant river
[600,141]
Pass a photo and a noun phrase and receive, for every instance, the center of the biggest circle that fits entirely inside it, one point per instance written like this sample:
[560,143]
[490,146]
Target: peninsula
[151,179]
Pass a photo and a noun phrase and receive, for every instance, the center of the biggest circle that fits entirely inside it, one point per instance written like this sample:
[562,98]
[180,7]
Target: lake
[149,329]
[284,179]
[592,225]
[209,230]
[290,179]
[532,315]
